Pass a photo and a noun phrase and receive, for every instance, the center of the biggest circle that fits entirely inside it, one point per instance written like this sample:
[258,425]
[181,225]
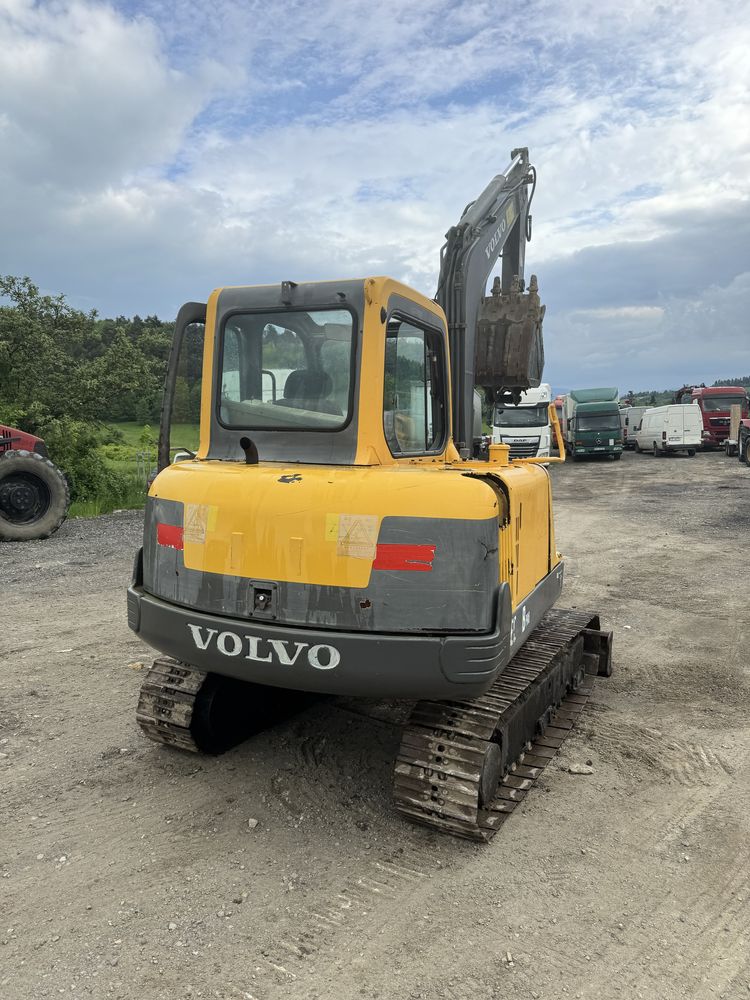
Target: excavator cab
[318,373]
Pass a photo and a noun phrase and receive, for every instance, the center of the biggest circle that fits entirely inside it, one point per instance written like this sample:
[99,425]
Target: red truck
[714,402]
[34,493]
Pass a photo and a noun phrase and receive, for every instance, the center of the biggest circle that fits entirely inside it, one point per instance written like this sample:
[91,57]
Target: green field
[130,449]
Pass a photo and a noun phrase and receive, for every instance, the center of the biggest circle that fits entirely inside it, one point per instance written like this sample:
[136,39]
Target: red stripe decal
[417,558]
[169,535]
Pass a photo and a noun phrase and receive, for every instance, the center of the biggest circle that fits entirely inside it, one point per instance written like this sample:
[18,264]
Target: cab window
[287,371]
[414,391]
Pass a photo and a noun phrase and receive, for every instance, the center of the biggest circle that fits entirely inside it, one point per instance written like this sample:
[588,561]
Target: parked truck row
[594,423]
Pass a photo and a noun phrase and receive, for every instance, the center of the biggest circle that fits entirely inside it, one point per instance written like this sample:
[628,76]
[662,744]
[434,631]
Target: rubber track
[437,771]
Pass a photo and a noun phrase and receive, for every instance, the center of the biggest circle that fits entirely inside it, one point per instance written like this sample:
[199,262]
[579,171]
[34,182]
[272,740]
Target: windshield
[713,403]
[287,370]
[597,422]
[522,416]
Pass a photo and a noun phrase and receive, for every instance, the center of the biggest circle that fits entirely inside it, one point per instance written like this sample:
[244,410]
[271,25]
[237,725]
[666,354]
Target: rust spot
[365,604]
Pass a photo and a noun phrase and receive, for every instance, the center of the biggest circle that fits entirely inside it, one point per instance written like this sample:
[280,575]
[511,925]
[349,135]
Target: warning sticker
[356,535]
[199,518]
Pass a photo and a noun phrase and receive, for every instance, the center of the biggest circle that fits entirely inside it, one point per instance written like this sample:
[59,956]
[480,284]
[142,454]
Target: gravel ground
[131,871]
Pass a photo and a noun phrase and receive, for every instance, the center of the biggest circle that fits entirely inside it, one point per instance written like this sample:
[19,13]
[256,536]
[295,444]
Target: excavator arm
[495,340]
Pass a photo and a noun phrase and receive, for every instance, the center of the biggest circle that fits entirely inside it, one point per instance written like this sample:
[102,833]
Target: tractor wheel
[746,450]
[34,496]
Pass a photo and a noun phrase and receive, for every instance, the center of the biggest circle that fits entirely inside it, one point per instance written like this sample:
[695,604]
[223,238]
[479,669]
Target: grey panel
[345,663]
[529,612]
[316,447]
[348,663]
[458,594]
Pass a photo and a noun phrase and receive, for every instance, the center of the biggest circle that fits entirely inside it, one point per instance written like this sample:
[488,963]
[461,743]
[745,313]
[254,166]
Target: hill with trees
[660,397]
[64,374]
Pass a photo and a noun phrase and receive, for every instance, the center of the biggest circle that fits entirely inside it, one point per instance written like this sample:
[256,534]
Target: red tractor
[34,493]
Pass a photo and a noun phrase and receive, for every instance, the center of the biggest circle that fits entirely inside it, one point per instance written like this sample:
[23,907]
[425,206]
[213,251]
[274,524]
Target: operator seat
[308,389]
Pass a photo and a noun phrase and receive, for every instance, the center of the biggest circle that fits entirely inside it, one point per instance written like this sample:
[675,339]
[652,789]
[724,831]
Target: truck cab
[715,404]
[592,424]
[525,428]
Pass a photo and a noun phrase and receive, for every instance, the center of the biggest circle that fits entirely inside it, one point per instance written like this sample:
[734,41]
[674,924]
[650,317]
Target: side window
[414,392]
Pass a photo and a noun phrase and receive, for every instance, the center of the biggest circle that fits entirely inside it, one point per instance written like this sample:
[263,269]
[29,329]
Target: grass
[132,452]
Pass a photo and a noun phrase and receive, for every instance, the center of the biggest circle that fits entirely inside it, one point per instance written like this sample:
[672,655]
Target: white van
[525,428]
[630,417]
[669,428]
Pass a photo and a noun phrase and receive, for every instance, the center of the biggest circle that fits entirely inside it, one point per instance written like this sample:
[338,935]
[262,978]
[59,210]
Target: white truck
[525,428]
[669,428]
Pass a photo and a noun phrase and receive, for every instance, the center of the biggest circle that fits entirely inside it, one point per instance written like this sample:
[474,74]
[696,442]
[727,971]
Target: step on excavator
[335,534]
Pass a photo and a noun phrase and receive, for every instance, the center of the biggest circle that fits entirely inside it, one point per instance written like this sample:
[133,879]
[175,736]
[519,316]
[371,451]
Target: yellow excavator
[337,532]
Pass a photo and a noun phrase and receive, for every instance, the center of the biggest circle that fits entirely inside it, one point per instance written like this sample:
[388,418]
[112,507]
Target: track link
[463,766]
[189,709]
[166,703]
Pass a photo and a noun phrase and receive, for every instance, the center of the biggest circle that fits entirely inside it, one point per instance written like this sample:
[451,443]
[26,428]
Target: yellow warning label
[357,535]
[200,518]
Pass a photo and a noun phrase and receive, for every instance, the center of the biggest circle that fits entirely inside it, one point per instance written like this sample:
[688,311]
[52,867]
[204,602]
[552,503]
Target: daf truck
[525,428]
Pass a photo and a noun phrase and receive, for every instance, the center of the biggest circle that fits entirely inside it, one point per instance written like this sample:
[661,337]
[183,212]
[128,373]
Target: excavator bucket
[509,349]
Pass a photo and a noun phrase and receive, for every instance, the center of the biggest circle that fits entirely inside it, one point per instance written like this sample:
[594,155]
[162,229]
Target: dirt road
[131,871]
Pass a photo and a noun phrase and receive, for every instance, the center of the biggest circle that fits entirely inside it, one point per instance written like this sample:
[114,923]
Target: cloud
[151,156]
[87,96]
[646,314]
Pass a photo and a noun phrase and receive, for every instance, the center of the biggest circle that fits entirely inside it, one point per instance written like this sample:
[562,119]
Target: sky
[151,151]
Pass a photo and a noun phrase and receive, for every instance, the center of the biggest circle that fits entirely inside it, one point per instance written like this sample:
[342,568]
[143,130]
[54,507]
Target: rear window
[288,370]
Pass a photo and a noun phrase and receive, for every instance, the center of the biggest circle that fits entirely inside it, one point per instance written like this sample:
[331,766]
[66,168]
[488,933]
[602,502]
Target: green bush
[74,446]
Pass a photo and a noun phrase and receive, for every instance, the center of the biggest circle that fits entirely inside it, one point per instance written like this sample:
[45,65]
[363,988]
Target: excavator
[336,534]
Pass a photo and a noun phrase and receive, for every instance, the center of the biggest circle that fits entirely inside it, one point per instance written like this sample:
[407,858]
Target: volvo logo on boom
[496,237]
[254,647]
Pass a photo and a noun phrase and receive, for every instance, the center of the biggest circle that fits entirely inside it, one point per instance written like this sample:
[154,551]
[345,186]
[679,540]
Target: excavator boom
[496,340]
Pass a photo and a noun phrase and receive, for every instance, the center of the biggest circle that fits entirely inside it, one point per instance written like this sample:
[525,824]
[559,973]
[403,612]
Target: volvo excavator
[336,535]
